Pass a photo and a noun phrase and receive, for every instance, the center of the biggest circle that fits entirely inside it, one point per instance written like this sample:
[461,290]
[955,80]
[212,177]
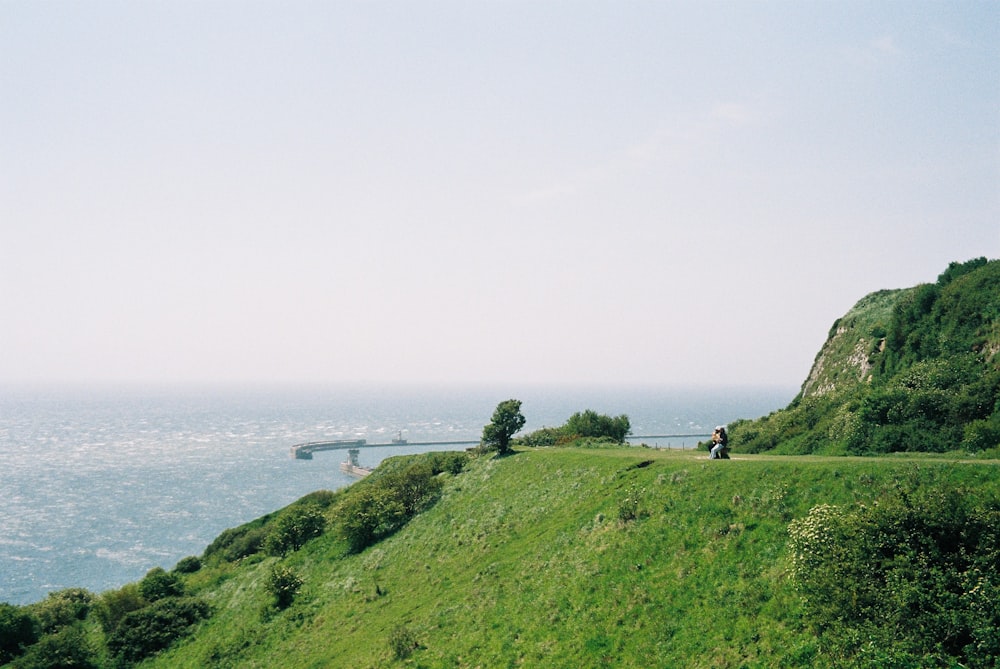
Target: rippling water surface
[99,486]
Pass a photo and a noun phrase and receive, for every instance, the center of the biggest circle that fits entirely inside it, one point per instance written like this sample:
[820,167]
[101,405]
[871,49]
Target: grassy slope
[524,562]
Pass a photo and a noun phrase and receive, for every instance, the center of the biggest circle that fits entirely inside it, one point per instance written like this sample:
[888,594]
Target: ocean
[98,486]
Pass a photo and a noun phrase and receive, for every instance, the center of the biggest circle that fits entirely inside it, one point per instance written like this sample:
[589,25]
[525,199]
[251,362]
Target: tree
[507,420]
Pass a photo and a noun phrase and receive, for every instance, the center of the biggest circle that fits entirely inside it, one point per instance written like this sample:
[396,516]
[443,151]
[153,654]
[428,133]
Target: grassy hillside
[904,370]
[624,557]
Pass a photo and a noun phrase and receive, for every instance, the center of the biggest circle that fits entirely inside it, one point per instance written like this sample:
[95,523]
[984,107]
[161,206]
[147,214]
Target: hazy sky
[476,190]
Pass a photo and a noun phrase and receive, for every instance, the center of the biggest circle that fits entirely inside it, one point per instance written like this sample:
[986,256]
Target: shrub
[402,642]
[66,649]
[319,498]
[398,490]
[982,435]
[914,573]
[452,462]
[294,527]
[188,565]
[628,507]
[595,425]
[283,584]
[368,514]
[158,584]
[17,631]
[546,436]
[237,543]
[62,608]
[116,604]
[587,428]
[415,487]
[149,630]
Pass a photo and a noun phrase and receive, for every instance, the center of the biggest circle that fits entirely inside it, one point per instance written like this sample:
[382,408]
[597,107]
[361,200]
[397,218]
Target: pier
[305,450]
[353,447]
[633,437]
[351,466]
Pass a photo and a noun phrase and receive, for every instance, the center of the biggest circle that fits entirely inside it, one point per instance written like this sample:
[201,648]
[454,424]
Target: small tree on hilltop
[507,420]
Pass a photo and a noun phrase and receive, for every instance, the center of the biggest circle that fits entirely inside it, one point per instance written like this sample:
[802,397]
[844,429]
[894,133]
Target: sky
[479,191]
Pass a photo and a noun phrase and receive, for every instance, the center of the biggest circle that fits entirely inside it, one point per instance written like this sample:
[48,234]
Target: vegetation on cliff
[903,370]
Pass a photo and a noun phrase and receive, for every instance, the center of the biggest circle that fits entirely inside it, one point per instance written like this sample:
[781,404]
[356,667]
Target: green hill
[904,370]
[565,557]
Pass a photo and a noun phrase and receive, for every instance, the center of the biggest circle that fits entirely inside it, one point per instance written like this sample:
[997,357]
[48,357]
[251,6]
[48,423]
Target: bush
[587,428]
[546,436]
[319,498]
[415,487]
[294,527]
[595,425]
[149,630]
[402,642]
[982,435]
[451,462]
[283,584]
[237,543]
[158,584]
[116,604]
[62,608]
[370,513]
[188,565]
[628,507]
[398,490]
[915,573]
[17,630]
[66,649]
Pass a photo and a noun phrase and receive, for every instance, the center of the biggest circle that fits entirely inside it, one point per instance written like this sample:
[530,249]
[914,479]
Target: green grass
[525,561]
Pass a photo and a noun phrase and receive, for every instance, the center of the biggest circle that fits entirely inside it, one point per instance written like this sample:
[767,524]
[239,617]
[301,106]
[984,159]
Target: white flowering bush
[283,584]
[906,582]
[813,541]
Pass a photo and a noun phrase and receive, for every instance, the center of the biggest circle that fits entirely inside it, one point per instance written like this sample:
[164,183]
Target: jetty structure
[305,450]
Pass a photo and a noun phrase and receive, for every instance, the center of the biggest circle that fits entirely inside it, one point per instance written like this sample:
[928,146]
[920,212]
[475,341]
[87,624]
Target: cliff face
[848,356]
[914,369]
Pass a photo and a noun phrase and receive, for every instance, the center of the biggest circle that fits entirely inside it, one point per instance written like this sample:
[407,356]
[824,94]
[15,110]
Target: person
[720,444]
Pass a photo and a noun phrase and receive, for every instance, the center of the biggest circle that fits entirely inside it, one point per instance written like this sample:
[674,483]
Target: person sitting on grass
[720,444]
